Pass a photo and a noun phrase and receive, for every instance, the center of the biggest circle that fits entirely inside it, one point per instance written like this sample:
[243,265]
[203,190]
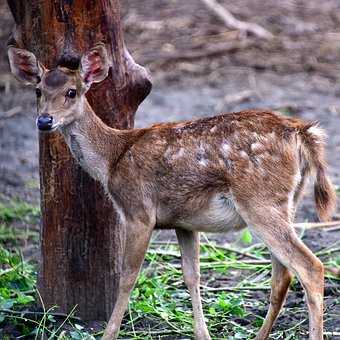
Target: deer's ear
[95,65]
[24,65]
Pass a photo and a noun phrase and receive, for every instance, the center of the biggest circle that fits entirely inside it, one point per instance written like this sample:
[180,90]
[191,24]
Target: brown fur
[278,156]
[212,174]
[55,79]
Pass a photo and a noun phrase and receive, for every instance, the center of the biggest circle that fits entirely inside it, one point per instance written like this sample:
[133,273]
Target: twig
[333,270]
[232,22]
[251,262]
[333,229]
[296,325]
[234,250]
[157,332]
[26,319]
[309,225]
[178,255]
[63,323]
[12,112]
[331,333]
[212,51]
[58,315]
[239,251]
[234,98]
[164,252]
[164,243]
[253,246]
[328,251]
[210,265]
[233,289]
[238,97]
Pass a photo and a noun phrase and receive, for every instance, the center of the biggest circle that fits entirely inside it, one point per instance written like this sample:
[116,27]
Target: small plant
[18,210]
[17,286]
[9,234]
[228,304]
[17,279]
[246,237]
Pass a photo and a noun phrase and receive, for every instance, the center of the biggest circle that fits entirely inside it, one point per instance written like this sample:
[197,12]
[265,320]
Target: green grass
[16,221]
[17,280]
[161,300]
[160,306]
[9,234]
[18,210]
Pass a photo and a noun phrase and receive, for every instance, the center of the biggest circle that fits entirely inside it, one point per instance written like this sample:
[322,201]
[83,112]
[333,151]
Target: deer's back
[194,167]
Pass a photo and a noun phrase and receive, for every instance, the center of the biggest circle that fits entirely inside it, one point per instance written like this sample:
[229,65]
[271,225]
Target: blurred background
[200,67]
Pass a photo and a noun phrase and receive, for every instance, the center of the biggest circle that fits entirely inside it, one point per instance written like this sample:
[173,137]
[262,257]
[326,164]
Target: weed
[18,210]
[246,237]
[17,279]
[10,234]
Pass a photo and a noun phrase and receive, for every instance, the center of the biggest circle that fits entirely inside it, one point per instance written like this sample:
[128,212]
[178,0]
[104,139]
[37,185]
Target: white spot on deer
[203,162]
[236,135]
[172,154]
[243,154]
[201,148]
[317,132]
[297,178]
[213,129]
[225,149]
[179,154]
[257,147]
[167,153]
[222,163]
[179,129]
[264,155]
[271,135]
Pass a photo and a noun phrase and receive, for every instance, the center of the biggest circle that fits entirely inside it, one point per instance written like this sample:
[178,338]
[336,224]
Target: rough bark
[81,245]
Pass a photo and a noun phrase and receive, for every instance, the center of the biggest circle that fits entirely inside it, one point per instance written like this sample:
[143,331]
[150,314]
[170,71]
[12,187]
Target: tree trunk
[81,244]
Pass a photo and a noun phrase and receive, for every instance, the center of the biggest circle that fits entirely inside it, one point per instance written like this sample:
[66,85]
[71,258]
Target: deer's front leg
[136,243]
[189,243]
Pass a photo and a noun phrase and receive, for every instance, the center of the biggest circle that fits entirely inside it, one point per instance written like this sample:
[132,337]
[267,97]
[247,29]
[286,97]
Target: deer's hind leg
[281,278]
[273,227]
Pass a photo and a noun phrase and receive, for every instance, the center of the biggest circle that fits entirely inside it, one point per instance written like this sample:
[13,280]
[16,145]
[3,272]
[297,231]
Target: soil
[296,73]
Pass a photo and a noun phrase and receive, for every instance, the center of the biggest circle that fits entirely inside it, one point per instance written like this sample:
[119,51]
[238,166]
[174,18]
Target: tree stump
[81,244]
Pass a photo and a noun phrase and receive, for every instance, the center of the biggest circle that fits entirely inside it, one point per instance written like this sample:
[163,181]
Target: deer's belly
[220,215]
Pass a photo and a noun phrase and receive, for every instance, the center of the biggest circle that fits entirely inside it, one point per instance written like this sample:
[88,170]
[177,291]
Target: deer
[215,174]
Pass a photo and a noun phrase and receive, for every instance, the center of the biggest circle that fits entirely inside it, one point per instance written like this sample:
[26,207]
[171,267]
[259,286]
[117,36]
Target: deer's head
[60,92]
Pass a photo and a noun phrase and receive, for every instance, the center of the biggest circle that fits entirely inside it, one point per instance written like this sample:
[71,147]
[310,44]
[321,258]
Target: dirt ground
[184,45]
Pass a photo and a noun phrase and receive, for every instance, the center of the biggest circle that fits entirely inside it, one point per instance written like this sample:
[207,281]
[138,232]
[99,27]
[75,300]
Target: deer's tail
[313,141]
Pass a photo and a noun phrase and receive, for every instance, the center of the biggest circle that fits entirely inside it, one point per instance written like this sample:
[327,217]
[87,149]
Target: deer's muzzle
[45,122]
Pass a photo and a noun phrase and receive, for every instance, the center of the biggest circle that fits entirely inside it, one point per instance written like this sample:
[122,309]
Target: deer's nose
[45,122]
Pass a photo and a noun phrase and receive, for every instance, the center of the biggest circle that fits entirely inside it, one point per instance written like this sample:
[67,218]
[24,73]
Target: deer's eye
[38,92]
[71,93]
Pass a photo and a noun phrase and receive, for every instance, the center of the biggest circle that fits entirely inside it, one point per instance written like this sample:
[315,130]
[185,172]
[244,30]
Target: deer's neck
[94,145]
